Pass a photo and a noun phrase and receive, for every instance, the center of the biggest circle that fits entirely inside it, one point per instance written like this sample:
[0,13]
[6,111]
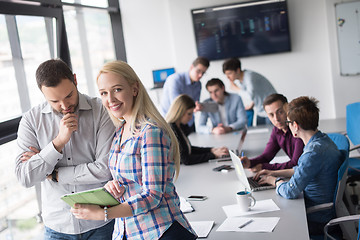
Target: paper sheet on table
[257,130]
[185,206]
[259,224]
[202,228]
[280,159]
[261,206]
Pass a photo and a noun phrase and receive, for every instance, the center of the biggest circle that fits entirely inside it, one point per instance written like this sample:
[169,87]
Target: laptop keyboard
[253,183]
[256,186]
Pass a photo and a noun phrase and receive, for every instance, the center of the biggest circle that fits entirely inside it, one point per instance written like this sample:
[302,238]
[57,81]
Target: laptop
[247,182]
[160,76]
[237,151]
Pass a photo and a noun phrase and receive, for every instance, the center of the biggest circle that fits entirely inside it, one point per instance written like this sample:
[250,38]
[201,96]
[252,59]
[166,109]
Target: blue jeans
[102,233]
[250,117]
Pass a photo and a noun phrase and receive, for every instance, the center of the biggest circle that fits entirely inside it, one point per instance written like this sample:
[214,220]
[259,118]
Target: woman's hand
[115,188]
[267,179]
[88,212]
[263,172]
[220,152]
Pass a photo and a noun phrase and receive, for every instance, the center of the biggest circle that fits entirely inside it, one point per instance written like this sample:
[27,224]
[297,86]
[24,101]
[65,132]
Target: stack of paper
[258,224]
[185,206]
[202,228]
[260,206]
[236,223]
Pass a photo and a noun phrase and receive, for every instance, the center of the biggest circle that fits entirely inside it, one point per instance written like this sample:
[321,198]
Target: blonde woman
[143,160]
[180,112]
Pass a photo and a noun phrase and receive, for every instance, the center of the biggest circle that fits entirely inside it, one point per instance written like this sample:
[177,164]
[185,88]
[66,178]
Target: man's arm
[40,165]
[96,170]
[241,119]
[175,87]
[297,151]
[203,119]
[271,149]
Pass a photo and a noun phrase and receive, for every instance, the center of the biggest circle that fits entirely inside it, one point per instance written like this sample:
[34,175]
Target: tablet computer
[210,107]
[97,196]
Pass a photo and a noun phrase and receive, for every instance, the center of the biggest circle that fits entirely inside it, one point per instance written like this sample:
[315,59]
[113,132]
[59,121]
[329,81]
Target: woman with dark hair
[180,112]
[316,172]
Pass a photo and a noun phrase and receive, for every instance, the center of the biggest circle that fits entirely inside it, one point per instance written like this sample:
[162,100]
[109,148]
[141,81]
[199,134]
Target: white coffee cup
[245,200]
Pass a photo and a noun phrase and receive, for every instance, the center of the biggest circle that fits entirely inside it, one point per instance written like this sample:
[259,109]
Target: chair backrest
[353,122]
[341,210]
[343,145]
[340,141]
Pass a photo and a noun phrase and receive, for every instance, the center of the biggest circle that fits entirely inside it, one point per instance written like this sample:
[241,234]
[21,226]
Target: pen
[242,153]
[246,223]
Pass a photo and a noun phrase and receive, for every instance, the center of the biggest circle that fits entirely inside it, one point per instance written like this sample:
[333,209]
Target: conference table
[221,187]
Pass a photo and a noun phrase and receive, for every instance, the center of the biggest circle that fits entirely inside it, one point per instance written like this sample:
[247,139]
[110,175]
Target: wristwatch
[54,176]
[279,179]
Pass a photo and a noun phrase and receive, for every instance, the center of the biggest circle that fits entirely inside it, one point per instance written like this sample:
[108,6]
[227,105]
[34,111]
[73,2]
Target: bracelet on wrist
[278,179]
[106,214]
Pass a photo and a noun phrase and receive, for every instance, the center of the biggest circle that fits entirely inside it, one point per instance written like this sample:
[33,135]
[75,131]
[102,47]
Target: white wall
[346,88]
[159,33]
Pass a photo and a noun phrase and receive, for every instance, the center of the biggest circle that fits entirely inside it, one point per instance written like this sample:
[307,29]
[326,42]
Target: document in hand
[97,196]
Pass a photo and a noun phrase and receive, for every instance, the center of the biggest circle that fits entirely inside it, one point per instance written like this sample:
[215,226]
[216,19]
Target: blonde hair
[178,108]
[143,111]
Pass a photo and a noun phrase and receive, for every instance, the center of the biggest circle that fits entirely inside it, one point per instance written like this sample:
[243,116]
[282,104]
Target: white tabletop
[221,188]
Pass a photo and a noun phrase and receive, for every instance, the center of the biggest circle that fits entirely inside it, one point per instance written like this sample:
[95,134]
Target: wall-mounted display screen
[241,30]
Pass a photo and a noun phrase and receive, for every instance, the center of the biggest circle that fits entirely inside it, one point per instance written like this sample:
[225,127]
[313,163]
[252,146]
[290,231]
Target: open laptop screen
[160,76]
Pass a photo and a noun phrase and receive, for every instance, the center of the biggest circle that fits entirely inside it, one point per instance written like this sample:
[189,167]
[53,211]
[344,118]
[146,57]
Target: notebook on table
[247,182]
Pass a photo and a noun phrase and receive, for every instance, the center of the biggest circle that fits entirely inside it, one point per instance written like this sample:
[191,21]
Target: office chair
[349,230]
[352,124]
[353,134]
[341,220]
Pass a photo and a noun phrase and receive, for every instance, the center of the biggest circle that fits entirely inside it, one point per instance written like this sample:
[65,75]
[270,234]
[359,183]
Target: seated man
[316,173]
[231,113]
[275,106]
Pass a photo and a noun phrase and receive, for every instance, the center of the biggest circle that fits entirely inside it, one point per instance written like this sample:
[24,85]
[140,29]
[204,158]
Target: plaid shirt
[145,167]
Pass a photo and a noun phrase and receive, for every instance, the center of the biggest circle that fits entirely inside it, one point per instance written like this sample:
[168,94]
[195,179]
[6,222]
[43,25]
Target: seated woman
[316,172]
[180,112]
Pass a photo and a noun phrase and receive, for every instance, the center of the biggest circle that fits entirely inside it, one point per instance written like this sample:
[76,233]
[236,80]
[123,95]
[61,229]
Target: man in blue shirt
[231,113]
[185,83]
[256,85]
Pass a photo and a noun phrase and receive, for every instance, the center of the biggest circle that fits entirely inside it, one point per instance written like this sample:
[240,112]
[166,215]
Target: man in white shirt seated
[231,113]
